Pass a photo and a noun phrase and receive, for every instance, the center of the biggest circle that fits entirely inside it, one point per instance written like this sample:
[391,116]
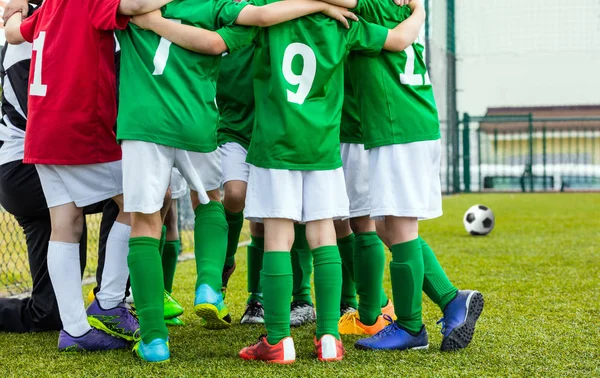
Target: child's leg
[345,243]
[406,271]
[276,278]
[64,267]
[171,248]
[328,275]
[256,250]
[369,263]
[301,266]
[234,201]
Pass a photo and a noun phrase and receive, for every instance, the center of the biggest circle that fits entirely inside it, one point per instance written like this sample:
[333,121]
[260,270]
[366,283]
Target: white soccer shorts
[178,185]
[356,173]
[405,180]
[147,169]
[233,162]
[302,196]
[82,184]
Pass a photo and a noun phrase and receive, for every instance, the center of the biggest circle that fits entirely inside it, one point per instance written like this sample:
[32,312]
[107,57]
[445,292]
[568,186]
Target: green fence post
[479,158]
[530,168]
[466,153]
[544,155]
[495,146]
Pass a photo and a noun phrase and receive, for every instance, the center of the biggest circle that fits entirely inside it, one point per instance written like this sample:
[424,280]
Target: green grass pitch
[539,271]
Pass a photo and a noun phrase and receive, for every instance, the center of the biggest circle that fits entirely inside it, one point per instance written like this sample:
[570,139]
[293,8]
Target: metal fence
[15,277]
[527,153]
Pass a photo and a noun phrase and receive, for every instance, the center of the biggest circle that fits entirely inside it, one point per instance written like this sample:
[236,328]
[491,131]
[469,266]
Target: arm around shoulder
[407,32]
[12,30]
[136,7]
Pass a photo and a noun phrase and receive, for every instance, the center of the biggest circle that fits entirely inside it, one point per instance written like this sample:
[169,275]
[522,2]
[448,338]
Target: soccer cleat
[156,351]
[329,349]
[350,324]
[227,272]
[172,307]
[345,308]
[394,337]
[281,353]
[91,341]
[302,313]
[174,322]
[389,310]
[460,316]
[254,314]
[209,306]
[118,322]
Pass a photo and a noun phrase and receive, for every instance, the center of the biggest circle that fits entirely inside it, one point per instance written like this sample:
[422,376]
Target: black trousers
[21,195]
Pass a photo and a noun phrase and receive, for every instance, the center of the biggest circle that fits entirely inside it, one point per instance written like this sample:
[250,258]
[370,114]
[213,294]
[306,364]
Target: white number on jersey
[409,77]
[305,80]
[162,54]
[37,88]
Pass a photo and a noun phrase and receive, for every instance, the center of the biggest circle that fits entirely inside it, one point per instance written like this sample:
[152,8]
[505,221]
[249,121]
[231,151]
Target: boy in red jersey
[70,138]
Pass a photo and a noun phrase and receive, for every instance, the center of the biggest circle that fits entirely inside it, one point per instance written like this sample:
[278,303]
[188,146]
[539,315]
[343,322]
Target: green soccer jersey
[395,96]
[351,131]
[235,97]
[299,84]
[167,93]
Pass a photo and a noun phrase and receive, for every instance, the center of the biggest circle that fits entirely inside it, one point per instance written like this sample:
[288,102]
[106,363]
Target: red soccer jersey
[72,106]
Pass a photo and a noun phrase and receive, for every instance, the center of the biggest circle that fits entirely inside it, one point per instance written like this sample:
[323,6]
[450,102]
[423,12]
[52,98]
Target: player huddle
[264,123]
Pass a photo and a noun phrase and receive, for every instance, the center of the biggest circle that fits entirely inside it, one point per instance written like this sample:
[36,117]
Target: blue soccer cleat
[211,308]
[394,337]
[156,351]
[460,316]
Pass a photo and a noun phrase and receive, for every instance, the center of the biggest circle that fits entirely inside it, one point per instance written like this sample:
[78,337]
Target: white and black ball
[479,220]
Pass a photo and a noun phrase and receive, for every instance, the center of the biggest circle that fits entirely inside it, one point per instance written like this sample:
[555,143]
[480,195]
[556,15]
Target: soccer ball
[479,220]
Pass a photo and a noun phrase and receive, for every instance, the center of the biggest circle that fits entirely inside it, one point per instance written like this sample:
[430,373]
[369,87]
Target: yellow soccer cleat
[350,324]
[91,296]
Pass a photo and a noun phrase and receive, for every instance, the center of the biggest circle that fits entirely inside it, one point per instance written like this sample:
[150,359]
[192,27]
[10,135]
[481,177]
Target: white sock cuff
[65,250]
[120,232]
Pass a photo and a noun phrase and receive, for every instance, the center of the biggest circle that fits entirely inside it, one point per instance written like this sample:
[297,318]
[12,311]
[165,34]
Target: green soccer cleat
[174,322]
[211,309]
[172,308]
[157,351]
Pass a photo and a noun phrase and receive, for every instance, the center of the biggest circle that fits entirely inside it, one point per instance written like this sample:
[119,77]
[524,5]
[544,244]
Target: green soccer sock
[384,298]
[369,264]
[301,266]
[210,244]
[406,271]
[163,239]
[277,282]
[346,247]
[256,249]
[436,284]
[328,289]
[235,221]
[169,262]
[145,270]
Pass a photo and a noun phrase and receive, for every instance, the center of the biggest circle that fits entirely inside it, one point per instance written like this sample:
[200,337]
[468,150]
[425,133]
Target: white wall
[527,53]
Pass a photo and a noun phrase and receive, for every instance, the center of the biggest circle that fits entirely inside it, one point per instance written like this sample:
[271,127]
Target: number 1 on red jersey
[37,88]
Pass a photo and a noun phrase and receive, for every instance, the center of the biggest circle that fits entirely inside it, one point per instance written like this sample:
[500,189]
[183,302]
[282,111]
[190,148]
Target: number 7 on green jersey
[162,54]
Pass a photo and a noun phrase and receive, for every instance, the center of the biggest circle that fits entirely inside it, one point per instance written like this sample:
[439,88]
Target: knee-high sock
[169,262]
[276,278]
[145,269]
[346,247]
[369,263]
[115,273]
[328,289]
[301,266]
[235,221]
[210,237]
[436,284]
[64,270]
[256,250]
[406,271]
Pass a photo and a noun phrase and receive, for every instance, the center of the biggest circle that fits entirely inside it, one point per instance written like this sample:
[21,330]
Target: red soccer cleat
[281,353]
[329,349]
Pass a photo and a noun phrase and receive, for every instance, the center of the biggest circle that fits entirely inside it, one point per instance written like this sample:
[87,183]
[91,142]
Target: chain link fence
[15,277]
